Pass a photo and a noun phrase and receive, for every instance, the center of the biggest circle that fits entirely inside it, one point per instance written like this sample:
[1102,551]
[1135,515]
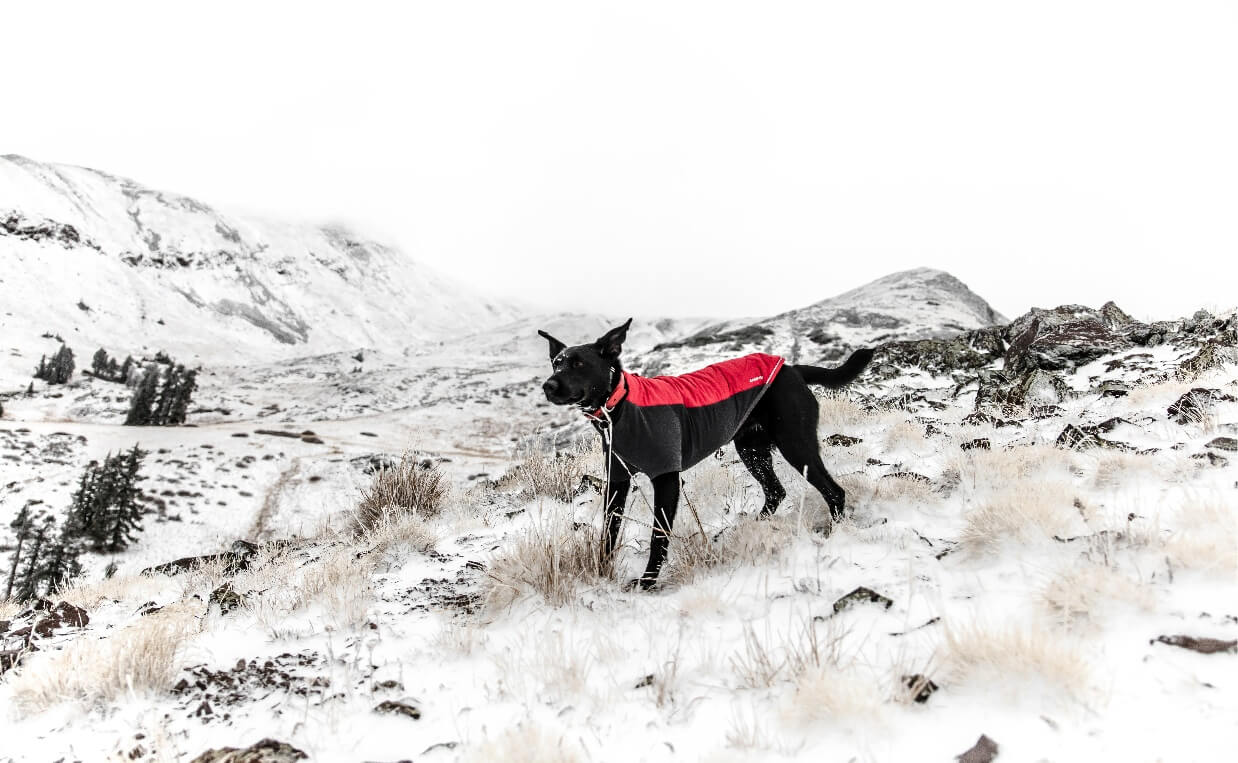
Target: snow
[613,674]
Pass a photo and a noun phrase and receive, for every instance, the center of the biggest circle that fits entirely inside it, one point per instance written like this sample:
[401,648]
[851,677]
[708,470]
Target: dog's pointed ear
[556,346]
[610,344]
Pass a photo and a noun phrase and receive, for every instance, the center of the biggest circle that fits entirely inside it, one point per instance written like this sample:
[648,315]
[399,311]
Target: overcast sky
[679,158]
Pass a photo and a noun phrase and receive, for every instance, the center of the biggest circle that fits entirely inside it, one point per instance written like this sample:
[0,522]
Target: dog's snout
[551,386]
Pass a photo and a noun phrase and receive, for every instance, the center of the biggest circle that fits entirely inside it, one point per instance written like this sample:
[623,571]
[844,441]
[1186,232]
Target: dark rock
[266,751]
[1199,644]
[842,441]
[1085,438]
[1212,458]
[1194,406]
[862,595]
[63,615]
[1108,425]
[390,707]
[1115,388]
[1063,338]
[227,598]
[235,560]
[10,657]
[312,439]
[920,686]
[1223,443]
[980,443]
[913,476]
[1211,355]
[983,751]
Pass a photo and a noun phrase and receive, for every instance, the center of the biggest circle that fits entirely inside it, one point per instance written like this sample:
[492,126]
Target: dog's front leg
[665,504]
[616,497]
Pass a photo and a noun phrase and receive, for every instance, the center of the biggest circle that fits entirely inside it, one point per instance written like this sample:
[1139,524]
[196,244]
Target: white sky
[744,158]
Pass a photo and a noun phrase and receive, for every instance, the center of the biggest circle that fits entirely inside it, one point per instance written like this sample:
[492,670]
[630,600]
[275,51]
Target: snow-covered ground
[1020,539]
[1027,581]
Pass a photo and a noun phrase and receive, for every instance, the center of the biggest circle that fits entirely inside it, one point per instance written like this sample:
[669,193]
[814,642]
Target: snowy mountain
[914,304]
[104,259]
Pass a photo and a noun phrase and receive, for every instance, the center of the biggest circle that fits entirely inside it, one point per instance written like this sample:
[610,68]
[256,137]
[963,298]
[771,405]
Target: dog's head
[586,374]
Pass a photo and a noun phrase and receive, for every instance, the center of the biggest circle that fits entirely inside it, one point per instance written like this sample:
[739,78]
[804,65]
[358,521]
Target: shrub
[409,487]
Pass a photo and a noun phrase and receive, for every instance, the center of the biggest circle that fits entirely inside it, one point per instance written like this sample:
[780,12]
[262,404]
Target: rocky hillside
[90,255]
[912,304]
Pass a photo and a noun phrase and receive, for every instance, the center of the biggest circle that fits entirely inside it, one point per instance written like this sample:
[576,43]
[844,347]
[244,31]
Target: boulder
[266,751]
[1064,338]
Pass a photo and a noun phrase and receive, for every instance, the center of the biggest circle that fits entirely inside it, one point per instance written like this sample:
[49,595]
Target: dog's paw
[641,583]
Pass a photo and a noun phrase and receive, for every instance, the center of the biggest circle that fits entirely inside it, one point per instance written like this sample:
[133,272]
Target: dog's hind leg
[755,450]
[792,418]
[665,504]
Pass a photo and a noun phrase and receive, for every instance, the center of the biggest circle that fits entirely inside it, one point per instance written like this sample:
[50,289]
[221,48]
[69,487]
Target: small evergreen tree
[59,370]
[98,364]
[60,560]
[184,394]
[26,583]
[62,365]
[23,527]
[126,369]
[107,506]
[141,408]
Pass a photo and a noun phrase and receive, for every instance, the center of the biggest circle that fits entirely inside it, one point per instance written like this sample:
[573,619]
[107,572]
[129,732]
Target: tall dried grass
[144,657]
[555,475]
[526,744]
[1026,512]
[407,488]
[975,652]
[551,560]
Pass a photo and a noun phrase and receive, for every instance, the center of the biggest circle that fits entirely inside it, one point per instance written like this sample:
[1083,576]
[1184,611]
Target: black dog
[664,425]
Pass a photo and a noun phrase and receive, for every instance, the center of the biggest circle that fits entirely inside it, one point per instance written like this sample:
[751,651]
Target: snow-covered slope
[913,304]
[111,263]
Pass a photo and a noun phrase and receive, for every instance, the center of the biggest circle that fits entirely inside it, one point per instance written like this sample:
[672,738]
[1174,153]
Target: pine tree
[26,581]
[124,513]
[167,396]
[82,514]
[23,526]
[107,506]
[126,369]
[142,405]
[62,365]
[41,371]
[98,364]
[59,562]
[180,408]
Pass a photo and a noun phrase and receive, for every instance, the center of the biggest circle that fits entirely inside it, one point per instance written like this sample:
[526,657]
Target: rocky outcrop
[17,225]
[266,751]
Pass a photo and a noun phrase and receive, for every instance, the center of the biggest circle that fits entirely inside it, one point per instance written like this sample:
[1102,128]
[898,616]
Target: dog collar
[621,391]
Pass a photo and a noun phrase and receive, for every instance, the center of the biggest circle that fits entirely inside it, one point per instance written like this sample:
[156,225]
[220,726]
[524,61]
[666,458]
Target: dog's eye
[578,363]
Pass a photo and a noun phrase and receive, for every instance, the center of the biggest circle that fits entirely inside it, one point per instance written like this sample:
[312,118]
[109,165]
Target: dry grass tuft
[778,657]
[551,560]
[749,541]
[407,488]
[976,652]
[838,413]
[980,471]
[554,475]
[399,530]
[138,588]
[1031,511]
[142,657]
[1205,536]
[526,744]
[829,691]
[10,608]
[1081,591]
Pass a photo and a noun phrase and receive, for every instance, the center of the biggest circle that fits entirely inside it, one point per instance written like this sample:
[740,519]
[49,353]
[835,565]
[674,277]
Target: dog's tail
[837,377]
